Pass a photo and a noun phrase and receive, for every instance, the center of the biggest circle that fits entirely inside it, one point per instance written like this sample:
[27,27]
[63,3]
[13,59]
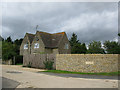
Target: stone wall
[87,62]
[36,60]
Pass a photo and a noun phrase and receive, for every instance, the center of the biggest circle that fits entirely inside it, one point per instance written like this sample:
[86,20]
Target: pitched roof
[30,37]
[51,40]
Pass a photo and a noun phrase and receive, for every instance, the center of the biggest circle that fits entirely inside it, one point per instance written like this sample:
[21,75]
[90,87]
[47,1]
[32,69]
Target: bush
[48,64]
[29,65]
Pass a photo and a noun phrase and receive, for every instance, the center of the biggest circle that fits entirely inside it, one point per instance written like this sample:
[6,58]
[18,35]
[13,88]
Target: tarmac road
[81,76]
[8,83]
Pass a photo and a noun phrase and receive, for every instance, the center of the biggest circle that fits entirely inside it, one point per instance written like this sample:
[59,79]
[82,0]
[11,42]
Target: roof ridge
[59,33]
[44,32]
[30,34]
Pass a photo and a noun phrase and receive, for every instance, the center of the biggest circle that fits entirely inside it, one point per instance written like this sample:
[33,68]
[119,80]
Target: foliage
[95,48]
[8,50]
[76,46]
[29,65]
[79,48]
[9,39]
[17,43]
[118,34]
[48,64]
[73,40]
[69,72]
[112,47]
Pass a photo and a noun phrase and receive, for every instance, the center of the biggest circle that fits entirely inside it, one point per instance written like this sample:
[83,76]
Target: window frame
[35,47]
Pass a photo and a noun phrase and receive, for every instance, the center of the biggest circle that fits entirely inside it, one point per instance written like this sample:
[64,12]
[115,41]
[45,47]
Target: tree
[112,47]
[18,41]
[9,39]
[8,50]
[76,46]
[95,48]
[118,34]
[79,48]
[73,40]
[17,44]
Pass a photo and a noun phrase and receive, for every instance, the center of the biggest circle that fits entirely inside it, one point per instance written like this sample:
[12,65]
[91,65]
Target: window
[26,46]
[66,46]
[36,45]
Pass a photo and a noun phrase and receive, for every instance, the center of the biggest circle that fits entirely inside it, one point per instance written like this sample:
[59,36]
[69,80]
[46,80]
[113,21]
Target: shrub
[29,65]
[48,64]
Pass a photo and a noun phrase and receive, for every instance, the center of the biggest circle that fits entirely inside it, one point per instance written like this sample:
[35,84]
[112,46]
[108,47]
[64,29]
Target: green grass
[69,72]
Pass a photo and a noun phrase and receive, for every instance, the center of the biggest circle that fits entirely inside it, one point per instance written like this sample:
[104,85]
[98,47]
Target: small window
[36,45]
[66,46]
[26,46]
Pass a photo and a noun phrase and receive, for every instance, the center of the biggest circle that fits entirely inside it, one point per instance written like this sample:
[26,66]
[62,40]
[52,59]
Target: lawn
[69,72]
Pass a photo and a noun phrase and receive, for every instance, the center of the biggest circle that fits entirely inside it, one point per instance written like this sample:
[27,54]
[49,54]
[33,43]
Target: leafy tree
[112,47]
[18,41]
[95,48]
[8,50]
[79,48]
[17,44]
[9,39]
[76,46]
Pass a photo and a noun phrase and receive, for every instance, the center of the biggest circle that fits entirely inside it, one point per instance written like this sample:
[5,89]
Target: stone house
[45,43]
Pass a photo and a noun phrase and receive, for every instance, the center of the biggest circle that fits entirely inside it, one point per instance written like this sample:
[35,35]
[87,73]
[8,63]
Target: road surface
[30,78]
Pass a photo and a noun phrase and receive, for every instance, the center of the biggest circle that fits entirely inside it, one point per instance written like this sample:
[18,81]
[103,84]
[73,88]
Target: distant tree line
[10,49]
[94,47]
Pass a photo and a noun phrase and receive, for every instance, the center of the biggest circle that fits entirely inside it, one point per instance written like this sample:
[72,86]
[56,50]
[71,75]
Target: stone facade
[41,48]
[25,41]
[48,43]
[61,48]
[87,62]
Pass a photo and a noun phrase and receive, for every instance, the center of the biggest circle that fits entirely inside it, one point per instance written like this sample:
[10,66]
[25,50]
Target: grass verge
[69,72]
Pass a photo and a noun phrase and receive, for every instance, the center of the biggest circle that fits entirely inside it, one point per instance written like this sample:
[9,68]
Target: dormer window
[66,46]
[36,45]
[26,46]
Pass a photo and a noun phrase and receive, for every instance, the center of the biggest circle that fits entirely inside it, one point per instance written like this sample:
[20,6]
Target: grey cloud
[19,18]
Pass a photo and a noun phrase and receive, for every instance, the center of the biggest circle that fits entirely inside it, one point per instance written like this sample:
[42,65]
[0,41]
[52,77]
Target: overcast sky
[90,21]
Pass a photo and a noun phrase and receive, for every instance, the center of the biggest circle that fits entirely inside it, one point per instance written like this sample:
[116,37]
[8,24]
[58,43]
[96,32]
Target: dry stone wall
[87,62]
